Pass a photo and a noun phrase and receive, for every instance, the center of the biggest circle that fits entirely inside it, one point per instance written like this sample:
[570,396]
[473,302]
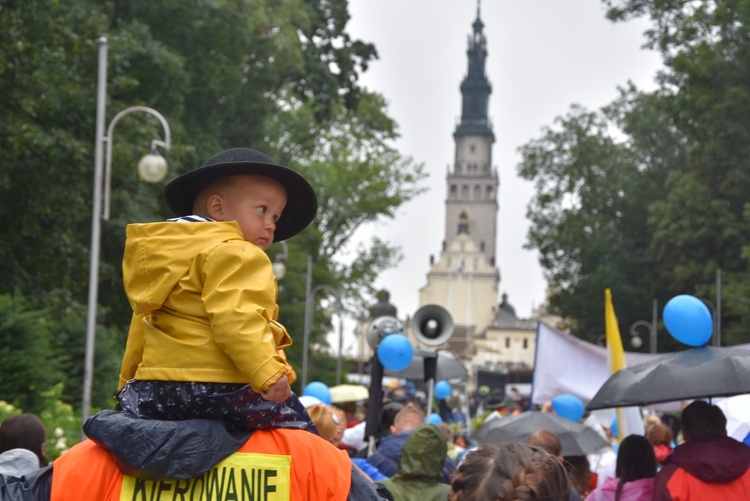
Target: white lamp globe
[279,270]
[152,168]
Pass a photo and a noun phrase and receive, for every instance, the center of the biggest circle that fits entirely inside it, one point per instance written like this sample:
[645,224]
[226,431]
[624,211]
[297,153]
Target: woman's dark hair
[635,460]
[579,469]
[510,471]
[24,431]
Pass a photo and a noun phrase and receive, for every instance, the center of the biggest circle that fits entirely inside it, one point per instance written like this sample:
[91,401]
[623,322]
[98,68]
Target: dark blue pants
[236,404]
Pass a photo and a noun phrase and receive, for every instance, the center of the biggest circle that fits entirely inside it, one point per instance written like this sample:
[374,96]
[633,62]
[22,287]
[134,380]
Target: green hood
[420,467]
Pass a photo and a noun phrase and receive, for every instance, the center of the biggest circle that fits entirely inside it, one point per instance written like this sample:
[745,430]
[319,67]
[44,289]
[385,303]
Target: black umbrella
[449,366]
[577,439]
[695,373]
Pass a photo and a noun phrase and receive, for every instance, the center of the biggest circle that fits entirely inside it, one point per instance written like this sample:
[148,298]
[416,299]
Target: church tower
[472,183]
[465,279]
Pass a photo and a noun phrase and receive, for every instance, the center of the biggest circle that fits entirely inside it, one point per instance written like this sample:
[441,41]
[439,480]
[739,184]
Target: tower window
[490,191]
[525,343]
[477,192]
[465,191]
[472,147]
[507,342]
[454,191]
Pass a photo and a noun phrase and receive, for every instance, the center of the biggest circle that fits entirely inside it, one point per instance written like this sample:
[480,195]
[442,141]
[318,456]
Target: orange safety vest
[279,464]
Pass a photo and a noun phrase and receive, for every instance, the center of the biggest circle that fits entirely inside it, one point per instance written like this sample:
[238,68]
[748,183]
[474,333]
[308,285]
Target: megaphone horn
[432,325]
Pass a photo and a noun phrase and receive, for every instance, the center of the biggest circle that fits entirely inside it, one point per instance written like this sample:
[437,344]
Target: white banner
[565,364]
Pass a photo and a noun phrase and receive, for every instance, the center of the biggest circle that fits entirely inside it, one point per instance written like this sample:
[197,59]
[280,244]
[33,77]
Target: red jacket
[715,469]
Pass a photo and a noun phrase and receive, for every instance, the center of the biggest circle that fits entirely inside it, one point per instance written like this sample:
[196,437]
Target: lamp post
[651,329]
[279,268]
[151,168]
[309,297]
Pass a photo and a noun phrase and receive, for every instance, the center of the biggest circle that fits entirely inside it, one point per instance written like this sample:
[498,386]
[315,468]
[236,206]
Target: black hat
[301,203]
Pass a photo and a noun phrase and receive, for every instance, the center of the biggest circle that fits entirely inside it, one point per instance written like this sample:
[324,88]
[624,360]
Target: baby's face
[256,203]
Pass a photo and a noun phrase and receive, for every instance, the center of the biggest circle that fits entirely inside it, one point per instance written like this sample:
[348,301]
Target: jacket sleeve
[292,374]
[661,490]
[133,350]
[239,294]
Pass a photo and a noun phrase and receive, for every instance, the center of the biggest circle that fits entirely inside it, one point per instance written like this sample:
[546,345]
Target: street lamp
[279,268]
[635,339]
[309,297]
[151,168]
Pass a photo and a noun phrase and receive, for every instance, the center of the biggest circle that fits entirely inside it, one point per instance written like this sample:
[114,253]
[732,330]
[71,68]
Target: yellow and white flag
[629,420]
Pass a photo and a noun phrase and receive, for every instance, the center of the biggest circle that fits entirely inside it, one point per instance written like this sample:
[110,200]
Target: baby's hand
[278,391]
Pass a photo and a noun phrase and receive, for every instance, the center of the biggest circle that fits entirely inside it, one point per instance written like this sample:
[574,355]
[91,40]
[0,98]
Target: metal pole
[717,339]
[96,209]
[341,342]
[652,344]
[308,321]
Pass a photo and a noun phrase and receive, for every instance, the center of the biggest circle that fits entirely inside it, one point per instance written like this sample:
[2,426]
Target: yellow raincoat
[204,306]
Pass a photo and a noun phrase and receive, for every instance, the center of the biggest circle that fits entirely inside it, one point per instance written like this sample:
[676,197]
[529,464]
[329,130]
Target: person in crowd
[385,459]
[651,420]
[660,437]
[354,437]
[455,452]
[192,459]
[22,444]
[635,470]
[420,467]
[708,464]
[581,476]
[509,471]
[603,462]
[204,339]
[545,439]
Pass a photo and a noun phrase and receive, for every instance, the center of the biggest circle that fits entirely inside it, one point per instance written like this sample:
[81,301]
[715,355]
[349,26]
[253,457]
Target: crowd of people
[130,457]
[205,408]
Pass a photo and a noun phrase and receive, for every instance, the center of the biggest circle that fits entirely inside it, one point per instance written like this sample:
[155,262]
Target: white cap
[308,401]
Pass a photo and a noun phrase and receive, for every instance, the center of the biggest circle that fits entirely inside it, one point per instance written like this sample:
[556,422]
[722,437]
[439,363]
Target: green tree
[655,210]
[278,76]
[587,217]
[700,227]
[25,345]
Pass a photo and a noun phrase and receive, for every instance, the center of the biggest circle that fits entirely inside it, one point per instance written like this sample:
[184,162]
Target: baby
[204,341]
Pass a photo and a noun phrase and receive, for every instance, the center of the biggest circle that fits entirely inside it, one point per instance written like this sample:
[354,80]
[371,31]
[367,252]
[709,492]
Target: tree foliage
[668,205]
[279,76]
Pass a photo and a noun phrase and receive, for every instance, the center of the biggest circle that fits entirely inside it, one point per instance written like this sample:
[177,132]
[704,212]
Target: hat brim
[301,203]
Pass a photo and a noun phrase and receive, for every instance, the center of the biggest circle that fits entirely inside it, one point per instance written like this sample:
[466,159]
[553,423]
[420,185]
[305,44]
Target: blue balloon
[442,389]
[318,390]
[569,407]
[395,352]
[433,419]
[688,320]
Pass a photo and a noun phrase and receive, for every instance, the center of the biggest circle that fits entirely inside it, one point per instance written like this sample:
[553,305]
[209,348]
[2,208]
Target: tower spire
[475,88]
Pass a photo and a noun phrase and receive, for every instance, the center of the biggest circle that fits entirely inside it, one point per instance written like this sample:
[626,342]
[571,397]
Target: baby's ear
[215,207]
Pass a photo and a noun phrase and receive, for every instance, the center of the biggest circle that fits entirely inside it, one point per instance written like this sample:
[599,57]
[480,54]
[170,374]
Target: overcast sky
[543,56]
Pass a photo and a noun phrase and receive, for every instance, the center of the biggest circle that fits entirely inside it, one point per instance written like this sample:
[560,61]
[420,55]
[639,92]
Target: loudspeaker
[380,328]
[432,325]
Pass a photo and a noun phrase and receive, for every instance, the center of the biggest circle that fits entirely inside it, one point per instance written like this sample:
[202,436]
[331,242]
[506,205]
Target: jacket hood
[713,460]
[158,255]
[18,462]
[423,455]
